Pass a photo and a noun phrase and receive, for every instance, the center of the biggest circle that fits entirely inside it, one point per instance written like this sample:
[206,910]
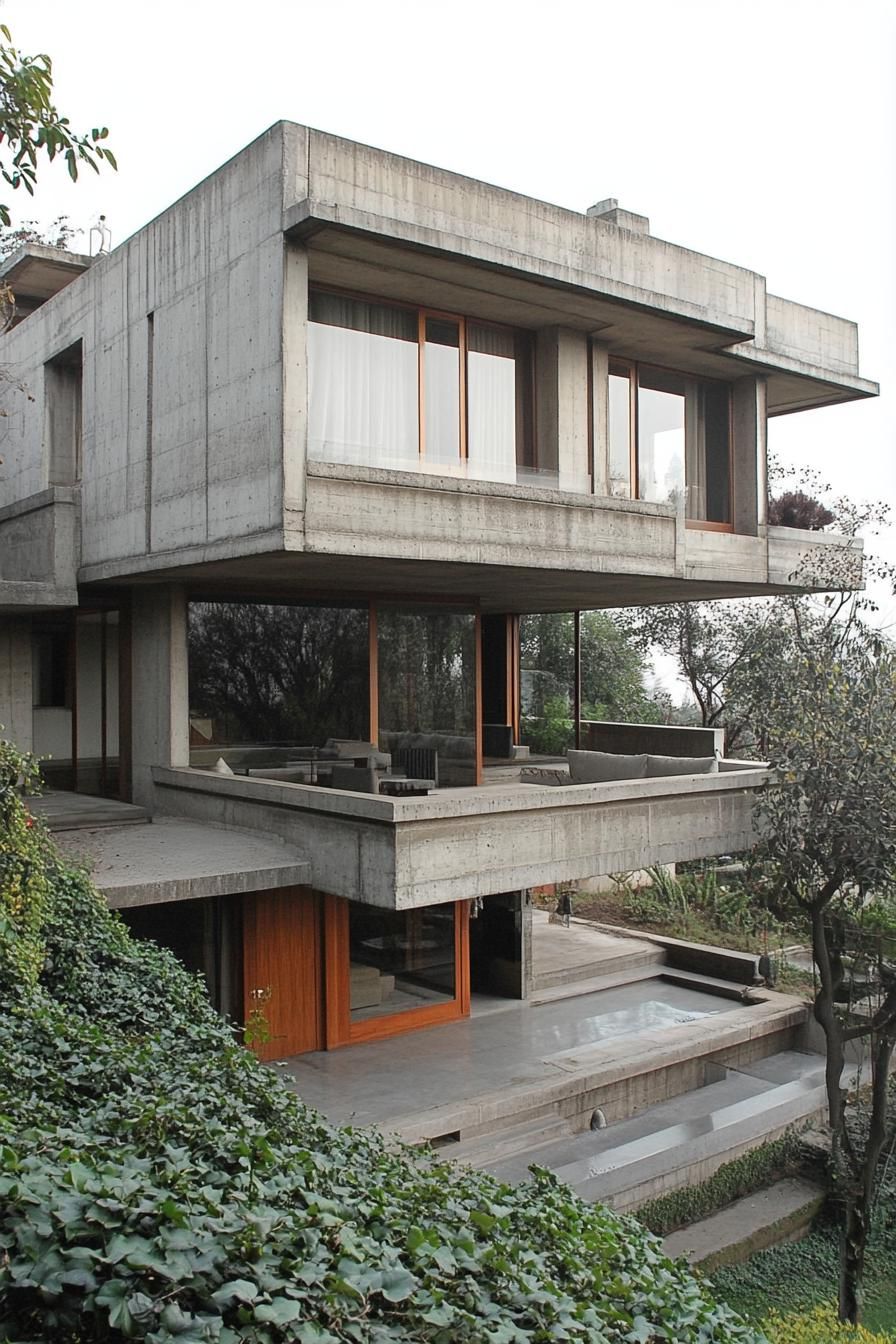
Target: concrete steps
[483,1150]
[681,1141]
[555,994]
[621,963]
[784,1211]
[62,811]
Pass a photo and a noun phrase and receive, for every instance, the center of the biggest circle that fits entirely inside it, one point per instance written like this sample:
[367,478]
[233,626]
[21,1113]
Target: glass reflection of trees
[283,674]
[427,678]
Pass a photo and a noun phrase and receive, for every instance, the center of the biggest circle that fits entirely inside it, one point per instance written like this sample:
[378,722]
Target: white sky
[759,131]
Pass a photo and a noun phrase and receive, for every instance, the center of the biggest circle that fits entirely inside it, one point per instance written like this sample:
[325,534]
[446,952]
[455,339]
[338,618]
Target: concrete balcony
[401,529]
[460,843]
[39,551]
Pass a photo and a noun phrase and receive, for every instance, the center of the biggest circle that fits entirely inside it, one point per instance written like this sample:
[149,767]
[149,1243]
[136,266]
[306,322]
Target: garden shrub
[818,1326]
[157,1183]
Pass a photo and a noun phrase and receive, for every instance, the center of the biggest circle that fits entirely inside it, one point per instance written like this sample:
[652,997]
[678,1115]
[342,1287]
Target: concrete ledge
[461,843]
[181,861]
[588,1077]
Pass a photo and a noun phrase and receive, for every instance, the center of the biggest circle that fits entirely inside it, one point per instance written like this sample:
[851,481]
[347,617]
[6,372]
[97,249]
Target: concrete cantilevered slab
[170,860]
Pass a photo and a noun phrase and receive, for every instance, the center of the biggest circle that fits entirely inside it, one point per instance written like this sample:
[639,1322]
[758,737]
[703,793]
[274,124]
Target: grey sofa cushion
[682,765]
[600,767]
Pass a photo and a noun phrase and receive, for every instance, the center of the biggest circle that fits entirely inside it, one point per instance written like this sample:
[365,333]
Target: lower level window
[400,960]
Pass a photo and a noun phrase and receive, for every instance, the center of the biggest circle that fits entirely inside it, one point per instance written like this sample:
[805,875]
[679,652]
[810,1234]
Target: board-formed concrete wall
[455,846]
[181,344]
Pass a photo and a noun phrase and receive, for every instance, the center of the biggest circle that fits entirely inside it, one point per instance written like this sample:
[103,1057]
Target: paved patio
[505,1043]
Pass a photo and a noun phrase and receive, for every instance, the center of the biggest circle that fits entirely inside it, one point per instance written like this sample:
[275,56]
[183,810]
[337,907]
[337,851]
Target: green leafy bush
[158,1183]
[24,881]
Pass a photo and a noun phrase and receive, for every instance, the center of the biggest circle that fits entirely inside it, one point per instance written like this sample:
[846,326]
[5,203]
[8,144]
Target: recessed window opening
[669,437]
[62,392]
[395,386]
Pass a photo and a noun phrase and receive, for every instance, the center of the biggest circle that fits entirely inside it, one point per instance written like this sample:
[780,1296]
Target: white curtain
[362,383]
[491,404]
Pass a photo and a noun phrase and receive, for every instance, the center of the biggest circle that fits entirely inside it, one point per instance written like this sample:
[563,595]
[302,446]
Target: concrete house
[290,466]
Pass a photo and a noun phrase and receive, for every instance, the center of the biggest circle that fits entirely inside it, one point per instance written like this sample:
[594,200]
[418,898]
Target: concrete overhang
[417,263]
[460,843]
[172,860]
[19,598]
[35,273]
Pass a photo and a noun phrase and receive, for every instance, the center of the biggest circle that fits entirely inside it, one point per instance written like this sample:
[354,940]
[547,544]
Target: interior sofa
[605,767]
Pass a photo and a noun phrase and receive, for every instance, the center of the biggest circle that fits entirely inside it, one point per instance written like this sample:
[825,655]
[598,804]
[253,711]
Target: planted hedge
[157,1183]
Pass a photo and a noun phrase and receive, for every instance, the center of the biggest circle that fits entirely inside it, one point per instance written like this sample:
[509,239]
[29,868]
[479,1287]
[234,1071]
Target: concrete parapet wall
[457,844]
[39,538]
[365,511]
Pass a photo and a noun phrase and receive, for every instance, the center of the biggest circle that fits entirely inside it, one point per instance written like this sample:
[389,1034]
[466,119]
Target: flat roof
[173,860]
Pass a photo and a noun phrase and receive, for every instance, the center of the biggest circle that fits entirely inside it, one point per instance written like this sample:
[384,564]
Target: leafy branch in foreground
[31,128]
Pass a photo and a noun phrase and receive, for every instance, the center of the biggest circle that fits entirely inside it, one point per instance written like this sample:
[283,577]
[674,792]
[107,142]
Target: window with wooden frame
[668,437]
[402,387]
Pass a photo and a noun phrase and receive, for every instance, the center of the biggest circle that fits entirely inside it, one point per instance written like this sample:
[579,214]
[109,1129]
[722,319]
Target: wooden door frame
[340,1030]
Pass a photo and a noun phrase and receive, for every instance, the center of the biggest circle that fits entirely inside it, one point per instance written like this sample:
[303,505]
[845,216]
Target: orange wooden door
[282,969]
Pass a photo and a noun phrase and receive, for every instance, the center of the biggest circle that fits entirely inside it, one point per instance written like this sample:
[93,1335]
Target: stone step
[483,1150]
[679,1141]
[634,1172]
[649,971]
[615,964]
[782,1212]
[711,983]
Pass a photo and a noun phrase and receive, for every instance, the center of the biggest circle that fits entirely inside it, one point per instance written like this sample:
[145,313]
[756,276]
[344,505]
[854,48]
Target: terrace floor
[503,1043]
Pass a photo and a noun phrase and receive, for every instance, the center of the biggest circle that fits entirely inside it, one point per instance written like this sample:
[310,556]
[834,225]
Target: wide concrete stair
[676,1143]
[582,959]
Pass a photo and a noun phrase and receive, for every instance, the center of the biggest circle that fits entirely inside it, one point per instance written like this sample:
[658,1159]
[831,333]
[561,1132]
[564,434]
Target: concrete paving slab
[782,1212]
[62,810]
[173,860]
[562,955]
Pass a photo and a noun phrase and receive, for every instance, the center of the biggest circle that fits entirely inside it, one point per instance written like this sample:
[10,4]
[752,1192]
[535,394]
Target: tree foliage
[828,845]
[614,673]
[157,1183]
[31,128]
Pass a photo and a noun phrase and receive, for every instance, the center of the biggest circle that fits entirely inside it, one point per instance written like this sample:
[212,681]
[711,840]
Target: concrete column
[16,696]
[561,398]
[160,695]
[600,372]
[749,450]
[295,382]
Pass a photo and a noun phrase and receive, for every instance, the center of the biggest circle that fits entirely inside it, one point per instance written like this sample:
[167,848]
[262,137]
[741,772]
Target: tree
[31,128]
[828,847]
[718,648]
[613,673]
[32,131]
[57,234]
[722,648]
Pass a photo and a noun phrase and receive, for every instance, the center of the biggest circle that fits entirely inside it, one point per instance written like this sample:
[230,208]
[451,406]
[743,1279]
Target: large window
[400,387]
[427,688]
[275,676]
[669,438]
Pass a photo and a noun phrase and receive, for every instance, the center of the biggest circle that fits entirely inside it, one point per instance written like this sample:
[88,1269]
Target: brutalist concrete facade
[160,449]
